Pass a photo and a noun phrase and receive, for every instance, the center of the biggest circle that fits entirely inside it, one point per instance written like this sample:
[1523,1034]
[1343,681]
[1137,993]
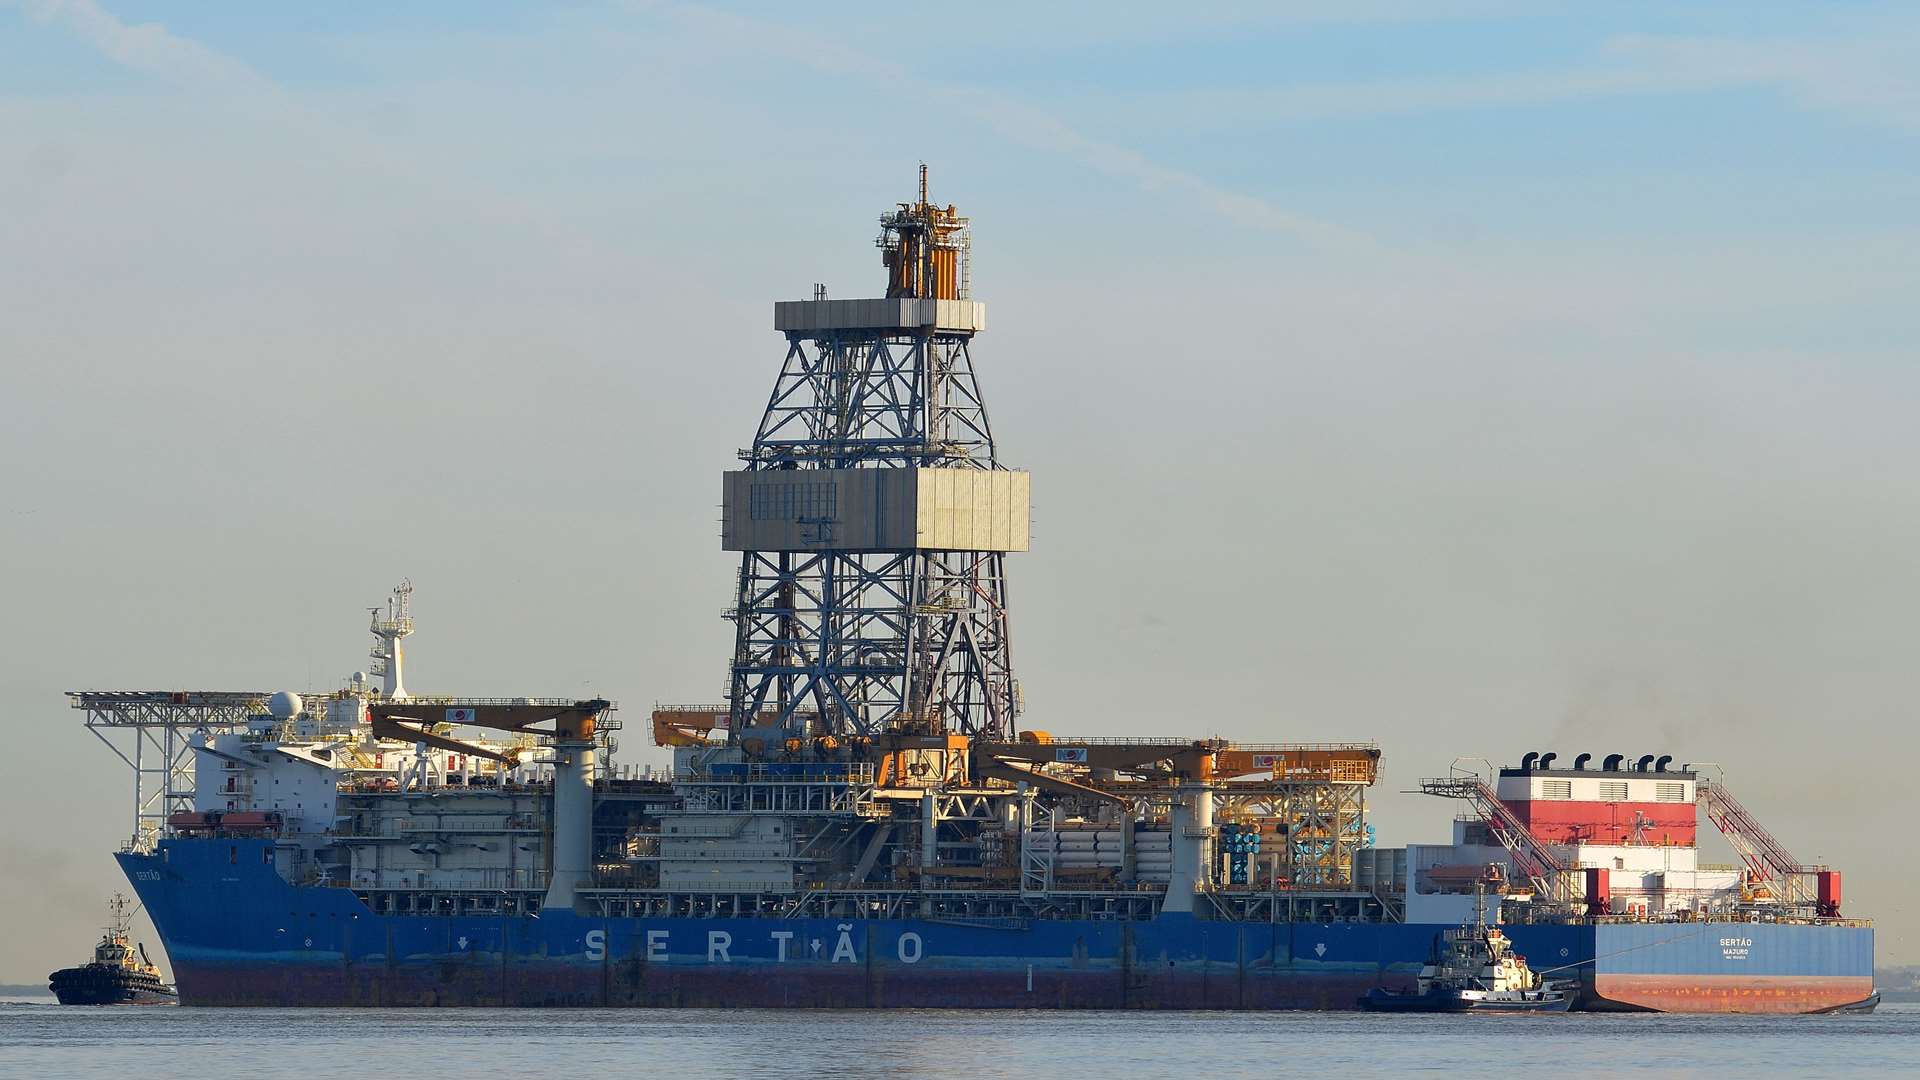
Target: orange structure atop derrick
[924,249]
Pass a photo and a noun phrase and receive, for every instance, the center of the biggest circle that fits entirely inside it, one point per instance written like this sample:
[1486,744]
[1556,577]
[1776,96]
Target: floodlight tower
[387,655]
[873,517]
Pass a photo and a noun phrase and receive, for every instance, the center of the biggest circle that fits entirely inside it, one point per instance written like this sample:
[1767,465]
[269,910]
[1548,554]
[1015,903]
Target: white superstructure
[349,807]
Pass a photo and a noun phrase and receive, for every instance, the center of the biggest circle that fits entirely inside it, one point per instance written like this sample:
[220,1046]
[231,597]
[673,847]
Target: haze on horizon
[1472,377]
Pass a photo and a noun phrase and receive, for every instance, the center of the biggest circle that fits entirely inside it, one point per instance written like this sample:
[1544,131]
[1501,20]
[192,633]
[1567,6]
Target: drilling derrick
[873,515]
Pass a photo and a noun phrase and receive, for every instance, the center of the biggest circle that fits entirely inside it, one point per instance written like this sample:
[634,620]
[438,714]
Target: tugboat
[1474,969]
[116,976]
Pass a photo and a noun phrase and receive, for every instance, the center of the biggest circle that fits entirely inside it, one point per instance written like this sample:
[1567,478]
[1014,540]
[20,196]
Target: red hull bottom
[1730,993]
[561,985]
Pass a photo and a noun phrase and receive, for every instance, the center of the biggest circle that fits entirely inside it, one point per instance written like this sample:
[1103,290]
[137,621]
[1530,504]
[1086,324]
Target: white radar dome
[285,704]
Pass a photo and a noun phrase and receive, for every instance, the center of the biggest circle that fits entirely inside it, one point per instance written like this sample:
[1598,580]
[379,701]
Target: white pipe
[1191,819]
[572,822]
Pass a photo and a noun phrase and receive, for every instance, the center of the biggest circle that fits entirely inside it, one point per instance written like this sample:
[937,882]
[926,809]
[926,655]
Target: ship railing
[1302,890]
[144,841]
[1311,747]
[1744,918]
[538,702]
[396,828]
[449,823]
[518,880]
[834,773]
[1113,740]
[1211,740]
[390,786]
[616,876]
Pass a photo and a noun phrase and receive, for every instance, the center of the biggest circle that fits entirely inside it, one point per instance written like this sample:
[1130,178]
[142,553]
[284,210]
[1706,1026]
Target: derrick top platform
[905,314]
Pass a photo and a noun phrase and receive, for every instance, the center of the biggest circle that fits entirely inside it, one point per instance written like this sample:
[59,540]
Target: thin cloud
[154,49]
[1869,76]
[146,47]
[1011,119]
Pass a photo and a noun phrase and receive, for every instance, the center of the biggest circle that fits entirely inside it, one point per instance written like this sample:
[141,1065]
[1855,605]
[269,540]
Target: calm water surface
[42,1040]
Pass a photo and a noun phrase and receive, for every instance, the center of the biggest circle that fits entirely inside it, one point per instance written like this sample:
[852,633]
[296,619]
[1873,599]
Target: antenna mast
[388,657]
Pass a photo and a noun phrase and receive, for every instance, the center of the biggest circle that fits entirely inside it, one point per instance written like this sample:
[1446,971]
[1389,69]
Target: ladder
[1767,858]
[1542,868]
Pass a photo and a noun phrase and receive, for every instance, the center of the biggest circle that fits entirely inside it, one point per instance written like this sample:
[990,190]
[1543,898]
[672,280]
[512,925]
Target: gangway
[1531,858]
[1767,859]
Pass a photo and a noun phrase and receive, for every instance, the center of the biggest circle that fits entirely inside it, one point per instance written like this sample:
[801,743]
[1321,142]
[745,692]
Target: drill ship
[865,822]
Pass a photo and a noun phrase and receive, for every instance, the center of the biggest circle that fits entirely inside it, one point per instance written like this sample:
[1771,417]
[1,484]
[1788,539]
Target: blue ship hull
[236,933]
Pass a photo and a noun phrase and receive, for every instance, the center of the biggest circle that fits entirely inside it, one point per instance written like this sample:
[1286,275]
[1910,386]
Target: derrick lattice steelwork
[873,515]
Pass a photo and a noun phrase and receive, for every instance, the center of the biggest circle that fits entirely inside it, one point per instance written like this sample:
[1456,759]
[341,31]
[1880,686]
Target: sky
[1472,377]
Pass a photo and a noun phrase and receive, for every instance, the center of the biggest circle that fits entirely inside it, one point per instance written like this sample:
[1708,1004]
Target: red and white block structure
[1633,827]
[1667,932]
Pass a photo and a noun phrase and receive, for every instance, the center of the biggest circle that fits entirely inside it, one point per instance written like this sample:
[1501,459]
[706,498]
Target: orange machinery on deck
[1199,759]
[913,760]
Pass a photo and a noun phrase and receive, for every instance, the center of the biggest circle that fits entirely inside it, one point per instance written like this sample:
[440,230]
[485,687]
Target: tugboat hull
[94,984]
[1377,1000]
